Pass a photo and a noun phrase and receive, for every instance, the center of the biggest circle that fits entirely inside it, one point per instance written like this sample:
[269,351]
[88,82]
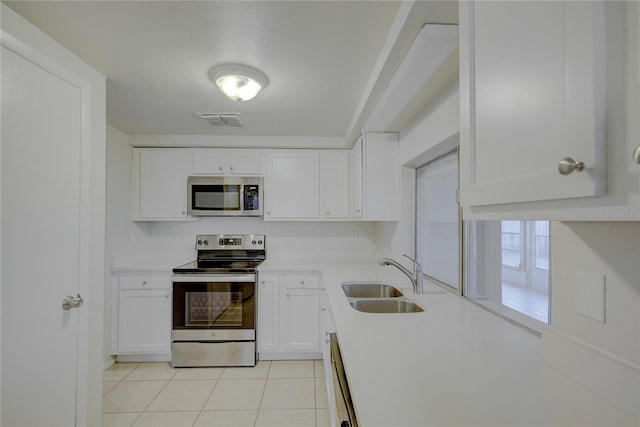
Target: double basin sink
[373,297]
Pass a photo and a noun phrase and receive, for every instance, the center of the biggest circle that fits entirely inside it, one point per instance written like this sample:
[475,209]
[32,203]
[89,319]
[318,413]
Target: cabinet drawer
[145,282]
[300,281]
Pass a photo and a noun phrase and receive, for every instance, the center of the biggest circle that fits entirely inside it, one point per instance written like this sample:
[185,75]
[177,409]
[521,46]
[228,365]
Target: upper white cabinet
[541,82]
[213,161]
[375,177]
[292,185]
[160,184]
[334,184]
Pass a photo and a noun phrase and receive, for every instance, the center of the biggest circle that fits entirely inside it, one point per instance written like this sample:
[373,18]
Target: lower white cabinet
[289,315]
[144,314]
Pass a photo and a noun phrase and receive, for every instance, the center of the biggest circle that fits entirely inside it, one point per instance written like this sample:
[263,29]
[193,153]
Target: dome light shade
[238,82]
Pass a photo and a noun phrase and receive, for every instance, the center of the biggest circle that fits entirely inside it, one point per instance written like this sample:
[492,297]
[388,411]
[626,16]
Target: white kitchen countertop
[454,364]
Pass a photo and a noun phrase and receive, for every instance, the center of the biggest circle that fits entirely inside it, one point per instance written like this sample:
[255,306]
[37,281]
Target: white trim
[290,356]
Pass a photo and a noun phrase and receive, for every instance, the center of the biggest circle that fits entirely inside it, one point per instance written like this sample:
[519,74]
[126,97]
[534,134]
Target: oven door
[214,308]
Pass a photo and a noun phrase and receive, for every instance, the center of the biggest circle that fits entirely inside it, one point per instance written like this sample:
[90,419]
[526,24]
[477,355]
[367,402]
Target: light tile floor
[274,393]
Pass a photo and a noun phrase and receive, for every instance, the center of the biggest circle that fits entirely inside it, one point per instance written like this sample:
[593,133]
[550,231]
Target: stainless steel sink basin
[397,305]
[370,290]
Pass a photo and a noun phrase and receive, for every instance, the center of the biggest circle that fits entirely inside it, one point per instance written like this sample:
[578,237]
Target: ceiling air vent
[222,119]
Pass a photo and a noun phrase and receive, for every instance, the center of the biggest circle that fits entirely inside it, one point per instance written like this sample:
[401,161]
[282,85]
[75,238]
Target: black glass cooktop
[218,266]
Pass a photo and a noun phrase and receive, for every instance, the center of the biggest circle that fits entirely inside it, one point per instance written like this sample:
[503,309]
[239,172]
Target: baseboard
[137,358]
[108,363]
[289,356]
[604,374]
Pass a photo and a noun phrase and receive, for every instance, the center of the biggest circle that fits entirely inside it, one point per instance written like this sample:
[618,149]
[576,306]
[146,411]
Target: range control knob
[253,242]
[259,242]
[206,242]
[199,242]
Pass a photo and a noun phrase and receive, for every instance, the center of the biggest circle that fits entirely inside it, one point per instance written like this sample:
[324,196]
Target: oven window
[213,305]
[216,197]
[213,309]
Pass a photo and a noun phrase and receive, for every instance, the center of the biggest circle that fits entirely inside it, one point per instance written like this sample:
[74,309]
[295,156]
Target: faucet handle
[413,260]
[416,264]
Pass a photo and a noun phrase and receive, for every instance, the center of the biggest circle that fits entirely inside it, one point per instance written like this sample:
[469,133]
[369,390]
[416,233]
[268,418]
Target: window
[437,217]
[506,263]
[509,268]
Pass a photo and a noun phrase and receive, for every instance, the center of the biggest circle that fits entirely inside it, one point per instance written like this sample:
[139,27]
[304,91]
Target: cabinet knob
[167,296]
[567,165]
[636,155]
[144,282]
[328,213]
[220,168]
[263,282]
[183,213]
[231,168]
[288,296]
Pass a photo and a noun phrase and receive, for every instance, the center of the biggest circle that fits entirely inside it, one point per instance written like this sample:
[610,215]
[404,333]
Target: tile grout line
[208,397]
[264,389]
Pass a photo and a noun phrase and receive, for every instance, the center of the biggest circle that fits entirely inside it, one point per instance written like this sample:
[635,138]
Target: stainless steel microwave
[225,196]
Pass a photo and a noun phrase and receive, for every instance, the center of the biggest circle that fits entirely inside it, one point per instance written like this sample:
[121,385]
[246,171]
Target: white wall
[292,240]
[122,234]
[122,238]
[603,356]
[433,133]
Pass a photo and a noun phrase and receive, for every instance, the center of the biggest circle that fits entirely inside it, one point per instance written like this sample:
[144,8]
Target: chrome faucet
[415,277]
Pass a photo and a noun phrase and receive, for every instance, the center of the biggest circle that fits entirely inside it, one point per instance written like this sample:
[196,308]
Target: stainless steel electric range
[214,302]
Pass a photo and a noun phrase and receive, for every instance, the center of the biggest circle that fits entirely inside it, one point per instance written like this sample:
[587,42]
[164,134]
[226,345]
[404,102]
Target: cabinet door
[244,162]
[208,162]
[532,93]
[144,321]
[293,185]
[268,309]
[355,173]
[163,184]
[334,184]
[299,319]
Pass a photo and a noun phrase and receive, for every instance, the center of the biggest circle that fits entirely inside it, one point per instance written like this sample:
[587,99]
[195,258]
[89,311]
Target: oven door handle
[209,278]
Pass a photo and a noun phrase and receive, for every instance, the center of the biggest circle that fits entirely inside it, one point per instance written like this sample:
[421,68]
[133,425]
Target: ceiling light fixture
[238,82]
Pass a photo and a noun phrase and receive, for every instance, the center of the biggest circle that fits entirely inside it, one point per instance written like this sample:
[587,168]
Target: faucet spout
[415,276]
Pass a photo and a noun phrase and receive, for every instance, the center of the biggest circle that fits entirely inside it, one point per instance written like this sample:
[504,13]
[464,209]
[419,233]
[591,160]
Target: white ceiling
[327,61]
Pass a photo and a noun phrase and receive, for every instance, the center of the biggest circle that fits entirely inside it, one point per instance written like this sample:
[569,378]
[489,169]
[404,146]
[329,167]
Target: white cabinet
[334,184]
[144,315]
[268,310]
[536,79]
[215,161]
[375,177]
[300,313]
[160,184]
[288,315]
[355,180]
[292,187]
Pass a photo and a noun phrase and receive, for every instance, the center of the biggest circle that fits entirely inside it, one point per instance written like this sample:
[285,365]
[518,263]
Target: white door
[41,141]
